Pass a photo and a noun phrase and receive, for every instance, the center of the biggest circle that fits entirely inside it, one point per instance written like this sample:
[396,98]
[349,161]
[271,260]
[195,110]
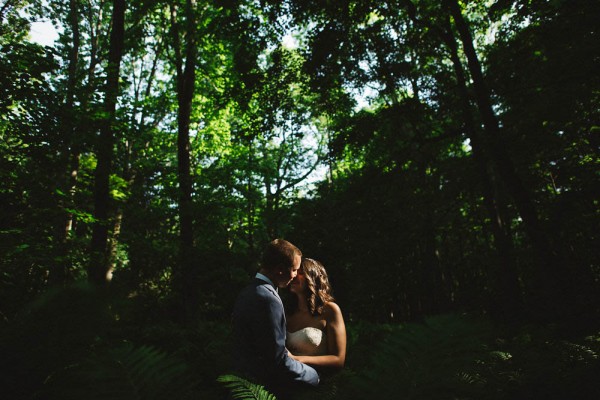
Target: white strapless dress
[307,342]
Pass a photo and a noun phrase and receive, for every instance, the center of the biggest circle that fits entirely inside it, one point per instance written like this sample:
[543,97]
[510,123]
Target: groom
[259,324]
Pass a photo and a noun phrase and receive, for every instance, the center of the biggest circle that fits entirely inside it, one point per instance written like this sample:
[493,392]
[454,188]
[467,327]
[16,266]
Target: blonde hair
[317,285]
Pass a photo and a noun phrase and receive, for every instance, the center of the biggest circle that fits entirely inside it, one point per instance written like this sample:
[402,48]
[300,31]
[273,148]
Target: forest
[441,158]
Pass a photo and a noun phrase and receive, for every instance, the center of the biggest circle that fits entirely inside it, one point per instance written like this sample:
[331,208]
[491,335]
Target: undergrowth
[71,344]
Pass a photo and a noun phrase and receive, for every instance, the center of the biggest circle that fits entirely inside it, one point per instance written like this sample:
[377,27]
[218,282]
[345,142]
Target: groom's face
[287,275]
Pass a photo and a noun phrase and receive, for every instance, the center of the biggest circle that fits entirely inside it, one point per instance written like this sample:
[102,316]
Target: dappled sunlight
[441,158]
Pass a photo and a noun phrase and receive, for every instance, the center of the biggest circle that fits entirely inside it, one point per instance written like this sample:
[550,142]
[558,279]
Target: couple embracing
[287,349]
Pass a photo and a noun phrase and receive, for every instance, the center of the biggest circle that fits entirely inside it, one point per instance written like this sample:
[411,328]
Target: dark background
[440,158]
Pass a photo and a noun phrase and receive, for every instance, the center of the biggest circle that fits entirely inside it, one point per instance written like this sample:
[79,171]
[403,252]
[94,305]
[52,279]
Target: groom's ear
[280,270]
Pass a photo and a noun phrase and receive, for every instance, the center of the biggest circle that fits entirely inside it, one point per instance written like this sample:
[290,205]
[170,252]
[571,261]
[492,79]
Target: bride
[316,332]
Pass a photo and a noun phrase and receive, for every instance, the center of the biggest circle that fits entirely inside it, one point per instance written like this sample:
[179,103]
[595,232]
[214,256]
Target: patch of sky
[42,31]
[290,41]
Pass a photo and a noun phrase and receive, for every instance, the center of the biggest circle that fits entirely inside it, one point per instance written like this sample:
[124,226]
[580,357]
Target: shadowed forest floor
[69,344]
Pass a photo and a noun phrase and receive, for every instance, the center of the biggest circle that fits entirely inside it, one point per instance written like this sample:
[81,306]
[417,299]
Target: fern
[438,359]
[58,329]
[243,389]
[328,388]
[125,372]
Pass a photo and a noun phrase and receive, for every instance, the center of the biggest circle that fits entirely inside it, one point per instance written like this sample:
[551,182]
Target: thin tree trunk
[186,278]
[129,171]
[490,122]
[59,275]
[250,205]
[100,263]
[113,241]
[433,292]
[69,123]
[547,283]
[506,281]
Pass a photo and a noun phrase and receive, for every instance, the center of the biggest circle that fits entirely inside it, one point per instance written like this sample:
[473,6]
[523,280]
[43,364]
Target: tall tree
[29,139]
[548,263]
[185,53]
[100,264]
[59,275]
[506,278]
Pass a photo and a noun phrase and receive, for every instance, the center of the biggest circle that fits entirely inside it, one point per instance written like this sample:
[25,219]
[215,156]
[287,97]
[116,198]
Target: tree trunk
[69,111]
[547,283]
[505,280]
[59,275]
[186,278]
[100,262]
[251,208]
[433,296]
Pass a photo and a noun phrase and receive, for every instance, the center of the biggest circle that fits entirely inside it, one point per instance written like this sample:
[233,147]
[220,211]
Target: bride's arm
[336,340]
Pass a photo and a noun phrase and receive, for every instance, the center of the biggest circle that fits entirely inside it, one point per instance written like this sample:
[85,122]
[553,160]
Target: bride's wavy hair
[317,285]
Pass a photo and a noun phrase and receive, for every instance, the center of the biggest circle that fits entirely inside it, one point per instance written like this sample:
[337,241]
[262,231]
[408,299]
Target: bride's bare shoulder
[331,308]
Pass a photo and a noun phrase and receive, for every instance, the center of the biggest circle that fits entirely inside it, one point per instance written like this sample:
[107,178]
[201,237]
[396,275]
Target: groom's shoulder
[262,288]
[258,288]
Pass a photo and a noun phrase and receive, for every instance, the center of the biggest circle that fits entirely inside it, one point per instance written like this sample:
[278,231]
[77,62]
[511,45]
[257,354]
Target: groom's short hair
[280,254]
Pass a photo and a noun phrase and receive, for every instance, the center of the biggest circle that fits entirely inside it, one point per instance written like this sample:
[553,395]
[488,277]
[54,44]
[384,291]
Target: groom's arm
[285,366]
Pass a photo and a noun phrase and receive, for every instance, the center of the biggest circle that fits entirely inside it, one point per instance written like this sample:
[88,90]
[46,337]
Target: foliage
[436,359]
[349,137]
[122,372]
[551,129]
[54,331]
[243,389]
[461,357]
[72,340]
[354,129]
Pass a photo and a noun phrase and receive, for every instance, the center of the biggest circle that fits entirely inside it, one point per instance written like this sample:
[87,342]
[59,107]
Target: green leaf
[243,389]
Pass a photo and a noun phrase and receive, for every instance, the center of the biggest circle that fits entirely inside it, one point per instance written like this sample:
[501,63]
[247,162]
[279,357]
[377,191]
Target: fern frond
[438,358]
[125,372]
[244,389]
